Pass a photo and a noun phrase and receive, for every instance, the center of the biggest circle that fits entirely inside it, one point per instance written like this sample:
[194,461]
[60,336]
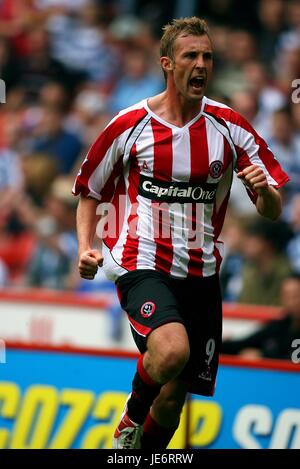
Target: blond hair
[192,26]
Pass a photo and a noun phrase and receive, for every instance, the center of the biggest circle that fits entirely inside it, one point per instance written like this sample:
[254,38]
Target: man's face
[191,66]
[290,296]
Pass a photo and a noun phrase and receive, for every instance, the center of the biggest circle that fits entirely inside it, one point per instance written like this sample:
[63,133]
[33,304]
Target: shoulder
[127,118]
[224,112]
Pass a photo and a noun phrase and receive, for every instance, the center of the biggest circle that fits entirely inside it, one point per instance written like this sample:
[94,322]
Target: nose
[200,61]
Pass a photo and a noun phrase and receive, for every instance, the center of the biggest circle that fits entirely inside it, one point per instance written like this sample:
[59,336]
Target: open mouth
[197,82]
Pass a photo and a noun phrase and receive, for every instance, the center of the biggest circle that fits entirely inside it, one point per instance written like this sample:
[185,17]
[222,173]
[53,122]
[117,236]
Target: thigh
[148,299]
[201,308]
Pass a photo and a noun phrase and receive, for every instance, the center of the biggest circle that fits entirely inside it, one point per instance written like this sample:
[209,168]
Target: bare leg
[167,352]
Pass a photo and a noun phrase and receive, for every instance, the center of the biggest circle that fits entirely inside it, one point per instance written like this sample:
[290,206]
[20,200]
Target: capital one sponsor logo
[176,192]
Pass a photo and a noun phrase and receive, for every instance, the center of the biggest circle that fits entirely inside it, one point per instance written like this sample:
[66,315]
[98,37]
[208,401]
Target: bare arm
[268,202]
[89,258]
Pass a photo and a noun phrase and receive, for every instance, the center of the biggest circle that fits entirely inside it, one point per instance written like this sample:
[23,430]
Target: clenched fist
[254,178]
[89,261]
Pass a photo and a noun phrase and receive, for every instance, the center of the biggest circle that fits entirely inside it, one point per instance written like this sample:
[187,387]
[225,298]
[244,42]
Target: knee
[172,360]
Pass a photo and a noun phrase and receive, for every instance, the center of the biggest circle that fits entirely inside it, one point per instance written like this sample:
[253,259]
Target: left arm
[268,202]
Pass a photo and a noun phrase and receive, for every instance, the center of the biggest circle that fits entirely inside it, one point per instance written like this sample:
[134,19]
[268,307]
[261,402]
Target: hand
[89,261]
[254,178]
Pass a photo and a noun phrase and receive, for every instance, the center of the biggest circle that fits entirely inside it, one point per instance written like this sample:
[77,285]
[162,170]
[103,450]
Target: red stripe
[218,217]
[265,155]
[195,265]
[228,156]
[130,252]
[199,151]
[142,330]
[144,375]
[218,258]
[108,190]
[225,360]
[244,162]
[199,170]
[102,144]
[162,169]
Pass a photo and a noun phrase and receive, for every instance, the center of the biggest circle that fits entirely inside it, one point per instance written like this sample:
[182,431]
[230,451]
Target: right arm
[96,182]
[89,258]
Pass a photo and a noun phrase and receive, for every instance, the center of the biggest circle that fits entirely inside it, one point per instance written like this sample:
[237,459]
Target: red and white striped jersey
[169,186]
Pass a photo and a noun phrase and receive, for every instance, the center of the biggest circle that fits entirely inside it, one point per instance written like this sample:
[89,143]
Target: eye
[191,55]
[207,56]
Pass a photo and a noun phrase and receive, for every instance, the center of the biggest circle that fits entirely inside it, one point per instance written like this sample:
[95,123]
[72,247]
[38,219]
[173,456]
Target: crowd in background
[69,66]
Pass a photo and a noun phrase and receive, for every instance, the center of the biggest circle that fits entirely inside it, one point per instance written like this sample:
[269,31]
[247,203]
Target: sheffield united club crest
[147,309]
[216,169]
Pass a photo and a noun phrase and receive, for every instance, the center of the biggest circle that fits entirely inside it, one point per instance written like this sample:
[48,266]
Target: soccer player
[166,164]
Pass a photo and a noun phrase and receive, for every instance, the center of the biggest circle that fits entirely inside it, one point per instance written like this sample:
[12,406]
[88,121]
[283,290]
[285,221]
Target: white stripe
[111,268]
[224,187]
[145,229]
[181,171]
[224,130]
[139,105]
[215,144]
[134,137]
[209,266]
[104,169]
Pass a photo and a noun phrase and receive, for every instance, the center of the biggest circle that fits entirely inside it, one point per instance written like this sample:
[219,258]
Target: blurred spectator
[40,66]
[287,61]
[286,148]
[230,12]
[17,243]
[232,264]
[136,82]
[51,138]
[78,41]
[39,172]
[272,23]
[293,247]
[16,19]
[266,265]
[89,115]
[10,70]
[275,339]
[246,103]
[49,265]
[241,48]
[11,174]
[53,94]
[56,249]
[269,98]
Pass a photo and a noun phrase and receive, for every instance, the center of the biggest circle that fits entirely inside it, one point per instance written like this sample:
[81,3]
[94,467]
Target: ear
[166,64]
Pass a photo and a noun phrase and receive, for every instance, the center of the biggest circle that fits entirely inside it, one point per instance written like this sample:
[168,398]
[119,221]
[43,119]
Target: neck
[173,108]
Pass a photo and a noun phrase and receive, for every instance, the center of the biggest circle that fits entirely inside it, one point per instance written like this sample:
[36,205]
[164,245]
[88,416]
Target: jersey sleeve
[101,169]
[253,150]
